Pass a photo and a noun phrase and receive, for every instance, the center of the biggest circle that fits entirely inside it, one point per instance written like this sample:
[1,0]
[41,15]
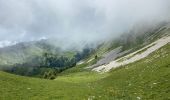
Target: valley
[145,79]
[84,50]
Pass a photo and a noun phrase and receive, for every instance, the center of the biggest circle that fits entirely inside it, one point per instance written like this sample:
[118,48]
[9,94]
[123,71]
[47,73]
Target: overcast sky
[76,20]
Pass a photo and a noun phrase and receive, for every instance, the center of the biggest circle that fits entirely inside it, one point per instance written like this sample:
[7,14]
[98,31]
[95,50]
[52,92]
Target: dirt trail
[134,56]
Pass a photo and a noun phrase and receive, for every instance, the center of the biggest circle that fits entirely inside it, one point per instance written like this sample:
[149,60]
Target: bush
[52,77]
[50,74]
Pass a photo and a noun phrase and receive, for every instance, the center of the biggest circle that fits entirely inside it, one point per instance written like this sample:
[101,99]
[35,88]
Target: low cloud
[76,20]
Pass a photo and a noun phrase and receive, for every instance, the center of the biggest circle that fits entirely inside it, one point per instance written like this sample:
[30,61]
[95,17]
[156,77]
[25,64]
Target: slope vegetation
[148,78]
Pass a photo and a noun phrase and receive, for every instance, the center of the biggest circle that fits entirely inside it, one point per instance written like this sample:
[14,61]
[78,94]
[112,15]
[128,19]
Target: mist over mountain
[76,21]
[84,49]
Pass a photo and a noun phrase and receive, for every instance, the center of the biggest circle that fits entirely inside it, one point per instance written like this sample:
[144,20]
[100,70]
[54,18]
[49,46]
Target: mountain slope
[24,52]
[114,51]
[148,78]
[135,56]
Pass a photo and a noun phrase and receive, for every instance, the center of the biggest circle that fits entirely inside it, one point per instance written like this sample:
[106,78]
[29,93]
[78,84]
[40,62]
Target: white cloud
[76,20]
[7,43]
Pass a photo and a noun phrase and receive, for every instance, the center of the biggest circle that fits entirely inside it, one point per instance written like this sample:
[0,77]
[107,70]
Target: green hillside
[36,58]
[148,78]
[26,52]
[84,50]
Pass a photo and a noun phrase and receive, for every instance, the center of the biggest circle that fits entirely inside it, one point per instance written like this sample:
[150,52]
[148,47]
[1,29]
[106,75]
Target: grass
[147,79]
[81,77]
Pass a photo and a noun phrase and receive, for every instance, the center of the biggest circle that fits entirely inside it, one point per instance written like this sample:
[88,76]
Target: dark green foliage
[52,77]
[96,57]
[48,65]
[84,54]
[45,76]
[40,65]
[50,74]
[53,60]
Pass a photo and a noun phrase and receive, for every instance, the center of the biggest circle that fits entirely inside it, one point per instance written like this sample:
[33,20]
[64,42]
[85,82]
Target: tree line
[49,64]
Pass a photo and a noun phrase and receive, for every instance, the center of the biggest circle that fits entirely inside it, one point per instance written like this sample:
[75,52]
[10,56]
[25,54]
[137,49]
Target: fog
[76,21]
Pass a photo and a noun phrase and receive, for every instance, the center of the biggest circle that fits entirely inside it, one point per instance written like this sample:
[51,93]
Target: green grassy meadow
[147,79]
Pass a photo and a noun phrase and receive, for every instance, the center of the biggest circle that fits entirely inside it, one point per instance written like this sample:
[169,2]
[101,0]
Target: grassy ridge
[148,78]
